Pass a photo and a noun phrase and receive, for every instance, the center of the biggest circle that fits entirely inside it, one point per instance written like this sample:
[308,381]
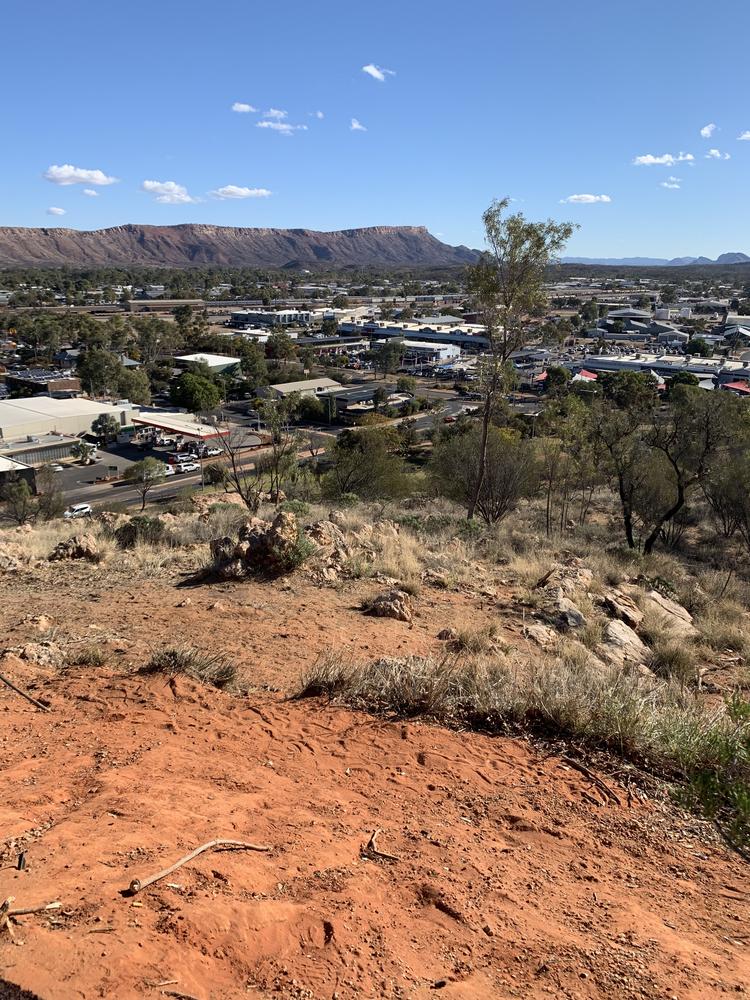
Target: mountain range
[193,245]
[725,258]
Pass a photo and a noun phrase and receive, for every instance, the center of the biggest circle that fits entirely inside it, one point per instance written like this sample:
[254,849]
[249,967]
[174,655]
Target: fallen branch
[23,694]
[35,909]
[373,851]
[604,789]
[137,885]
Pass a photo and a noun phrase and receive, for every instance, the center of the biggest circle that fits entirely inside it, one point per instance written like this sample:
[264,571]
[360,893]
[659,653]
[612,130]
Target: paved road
[80,485]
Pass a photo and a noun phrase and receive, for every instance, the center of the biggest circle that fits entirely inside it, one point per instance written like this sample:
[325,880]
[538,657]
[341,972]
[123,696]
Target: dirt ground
[512,875]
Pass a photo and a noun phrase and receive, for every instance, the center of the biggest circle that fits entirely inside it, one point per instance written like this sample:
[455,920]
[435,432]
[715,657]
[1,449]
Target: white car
[56,467]
[79,510]
[167,470]
[211,452]
[186,467]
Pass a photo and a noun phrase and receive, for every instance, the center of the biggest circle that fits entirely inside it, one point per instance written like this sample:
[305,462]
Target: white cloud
[275,114]
[708,130]
[744,136]
[90,193]
[715,154]
[377,72]
[68,174]
[243,109]
[665,160]
[585,199]
[55,211]
[168,192]
[233,191]
[283,127]
[357,126]
[318,114]
[673,183]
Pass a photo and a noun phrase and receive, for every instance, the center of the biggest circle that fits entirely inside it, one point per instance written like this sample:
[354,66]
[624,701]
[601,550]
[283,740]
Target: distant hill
[195,245]
[725,258]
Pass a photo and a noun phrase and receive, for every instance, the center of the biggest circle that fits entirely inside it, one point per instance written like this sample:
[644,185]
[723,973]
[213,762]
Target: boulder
[676,621]
[623,607]
[46,654]
[391,604]
[448,634]
[83,546]
[541,634]
[621,645]
[11,558]
[567,614]
[328,535]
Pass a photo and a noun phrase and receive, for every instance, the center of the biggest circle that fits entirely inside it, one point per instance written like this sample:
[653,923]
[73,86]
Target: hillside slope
[193,245]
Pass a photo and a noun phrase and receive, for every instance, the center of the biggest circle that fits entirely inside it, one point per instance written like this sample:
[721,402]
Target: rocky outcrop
[391,604]
[623,607]
[83,546]
[676,621]
[622,646]
[269,548]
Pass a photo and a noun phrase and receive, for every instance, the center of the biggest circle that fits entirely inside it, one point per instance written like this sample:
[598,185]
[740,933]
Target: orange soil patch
[510,881]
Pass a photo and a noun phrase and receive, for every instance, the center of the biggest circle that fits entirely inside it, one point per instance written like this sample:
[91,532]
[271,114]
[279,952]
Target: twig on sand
[240,845]
[178,995]
[372,848]
[35,909]
[582,769]
[23,694]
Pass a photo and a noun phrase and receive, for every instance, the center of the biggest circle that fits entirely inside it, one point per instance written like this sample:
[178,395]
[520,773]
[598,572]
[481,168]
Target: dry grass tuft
[209,668]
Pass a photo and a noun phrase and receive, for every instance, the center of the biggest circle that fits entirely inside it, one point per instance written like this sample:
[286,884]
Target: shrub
[675,659]
[297,507]
[208,668]
[145,530]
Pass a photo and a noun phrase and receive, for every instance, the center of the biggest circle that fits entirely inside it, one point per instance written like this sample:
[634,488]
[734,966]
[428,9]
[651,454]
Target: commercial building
[219,363]
[36,416]
[270,317]
[11,469]
[424,352]
[471,337]
[43,381]
[309,387]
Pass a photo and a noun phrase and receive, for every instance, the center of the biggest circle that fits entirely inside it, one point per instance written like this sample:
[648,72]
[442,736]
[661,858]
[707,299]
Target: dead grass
[208,668]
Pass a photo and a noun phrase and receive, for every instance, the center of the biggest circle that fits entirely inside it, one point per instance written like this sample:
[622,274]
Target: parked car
[168,470]
[78,510]
[186,467]
[449,419]
[56,467]
[175,457]
[212,451]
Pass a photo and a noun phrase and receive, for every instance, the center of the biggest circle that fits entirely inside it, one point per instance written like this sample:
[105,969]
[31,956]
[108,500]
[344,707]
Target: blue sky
[536,99]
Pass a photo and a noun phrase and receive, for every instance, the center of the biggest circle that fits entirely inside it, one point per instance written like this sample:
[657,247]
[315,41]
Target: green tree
[508,286]
[365,463]
[50,501]
[145,476]
[195,393]
[17,501]
[698,347]
[83,451]
[495,491]
[329,327]
[281,347]
[134,384]
[99,371]
[106,427]
[406,383]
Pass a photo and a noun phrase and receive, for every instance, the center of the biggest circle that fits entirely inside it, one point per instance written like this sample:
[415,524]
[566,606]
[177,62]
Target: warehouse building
[219,364]
[37,416]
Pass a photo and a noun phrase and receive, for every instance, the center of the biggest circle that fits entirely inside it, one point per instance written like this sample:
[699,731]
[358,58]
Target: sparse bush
[207,668]
[675,660]
[297,507]
[725,627]
[142,530]
[481,640]
[88,656]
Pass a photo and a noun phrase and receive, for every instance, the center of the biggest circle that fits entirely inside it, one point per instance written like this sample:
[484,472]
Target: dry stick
[35,909]
[542,580]
[23,694]
[136,885]
[592,777]
[372,848]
